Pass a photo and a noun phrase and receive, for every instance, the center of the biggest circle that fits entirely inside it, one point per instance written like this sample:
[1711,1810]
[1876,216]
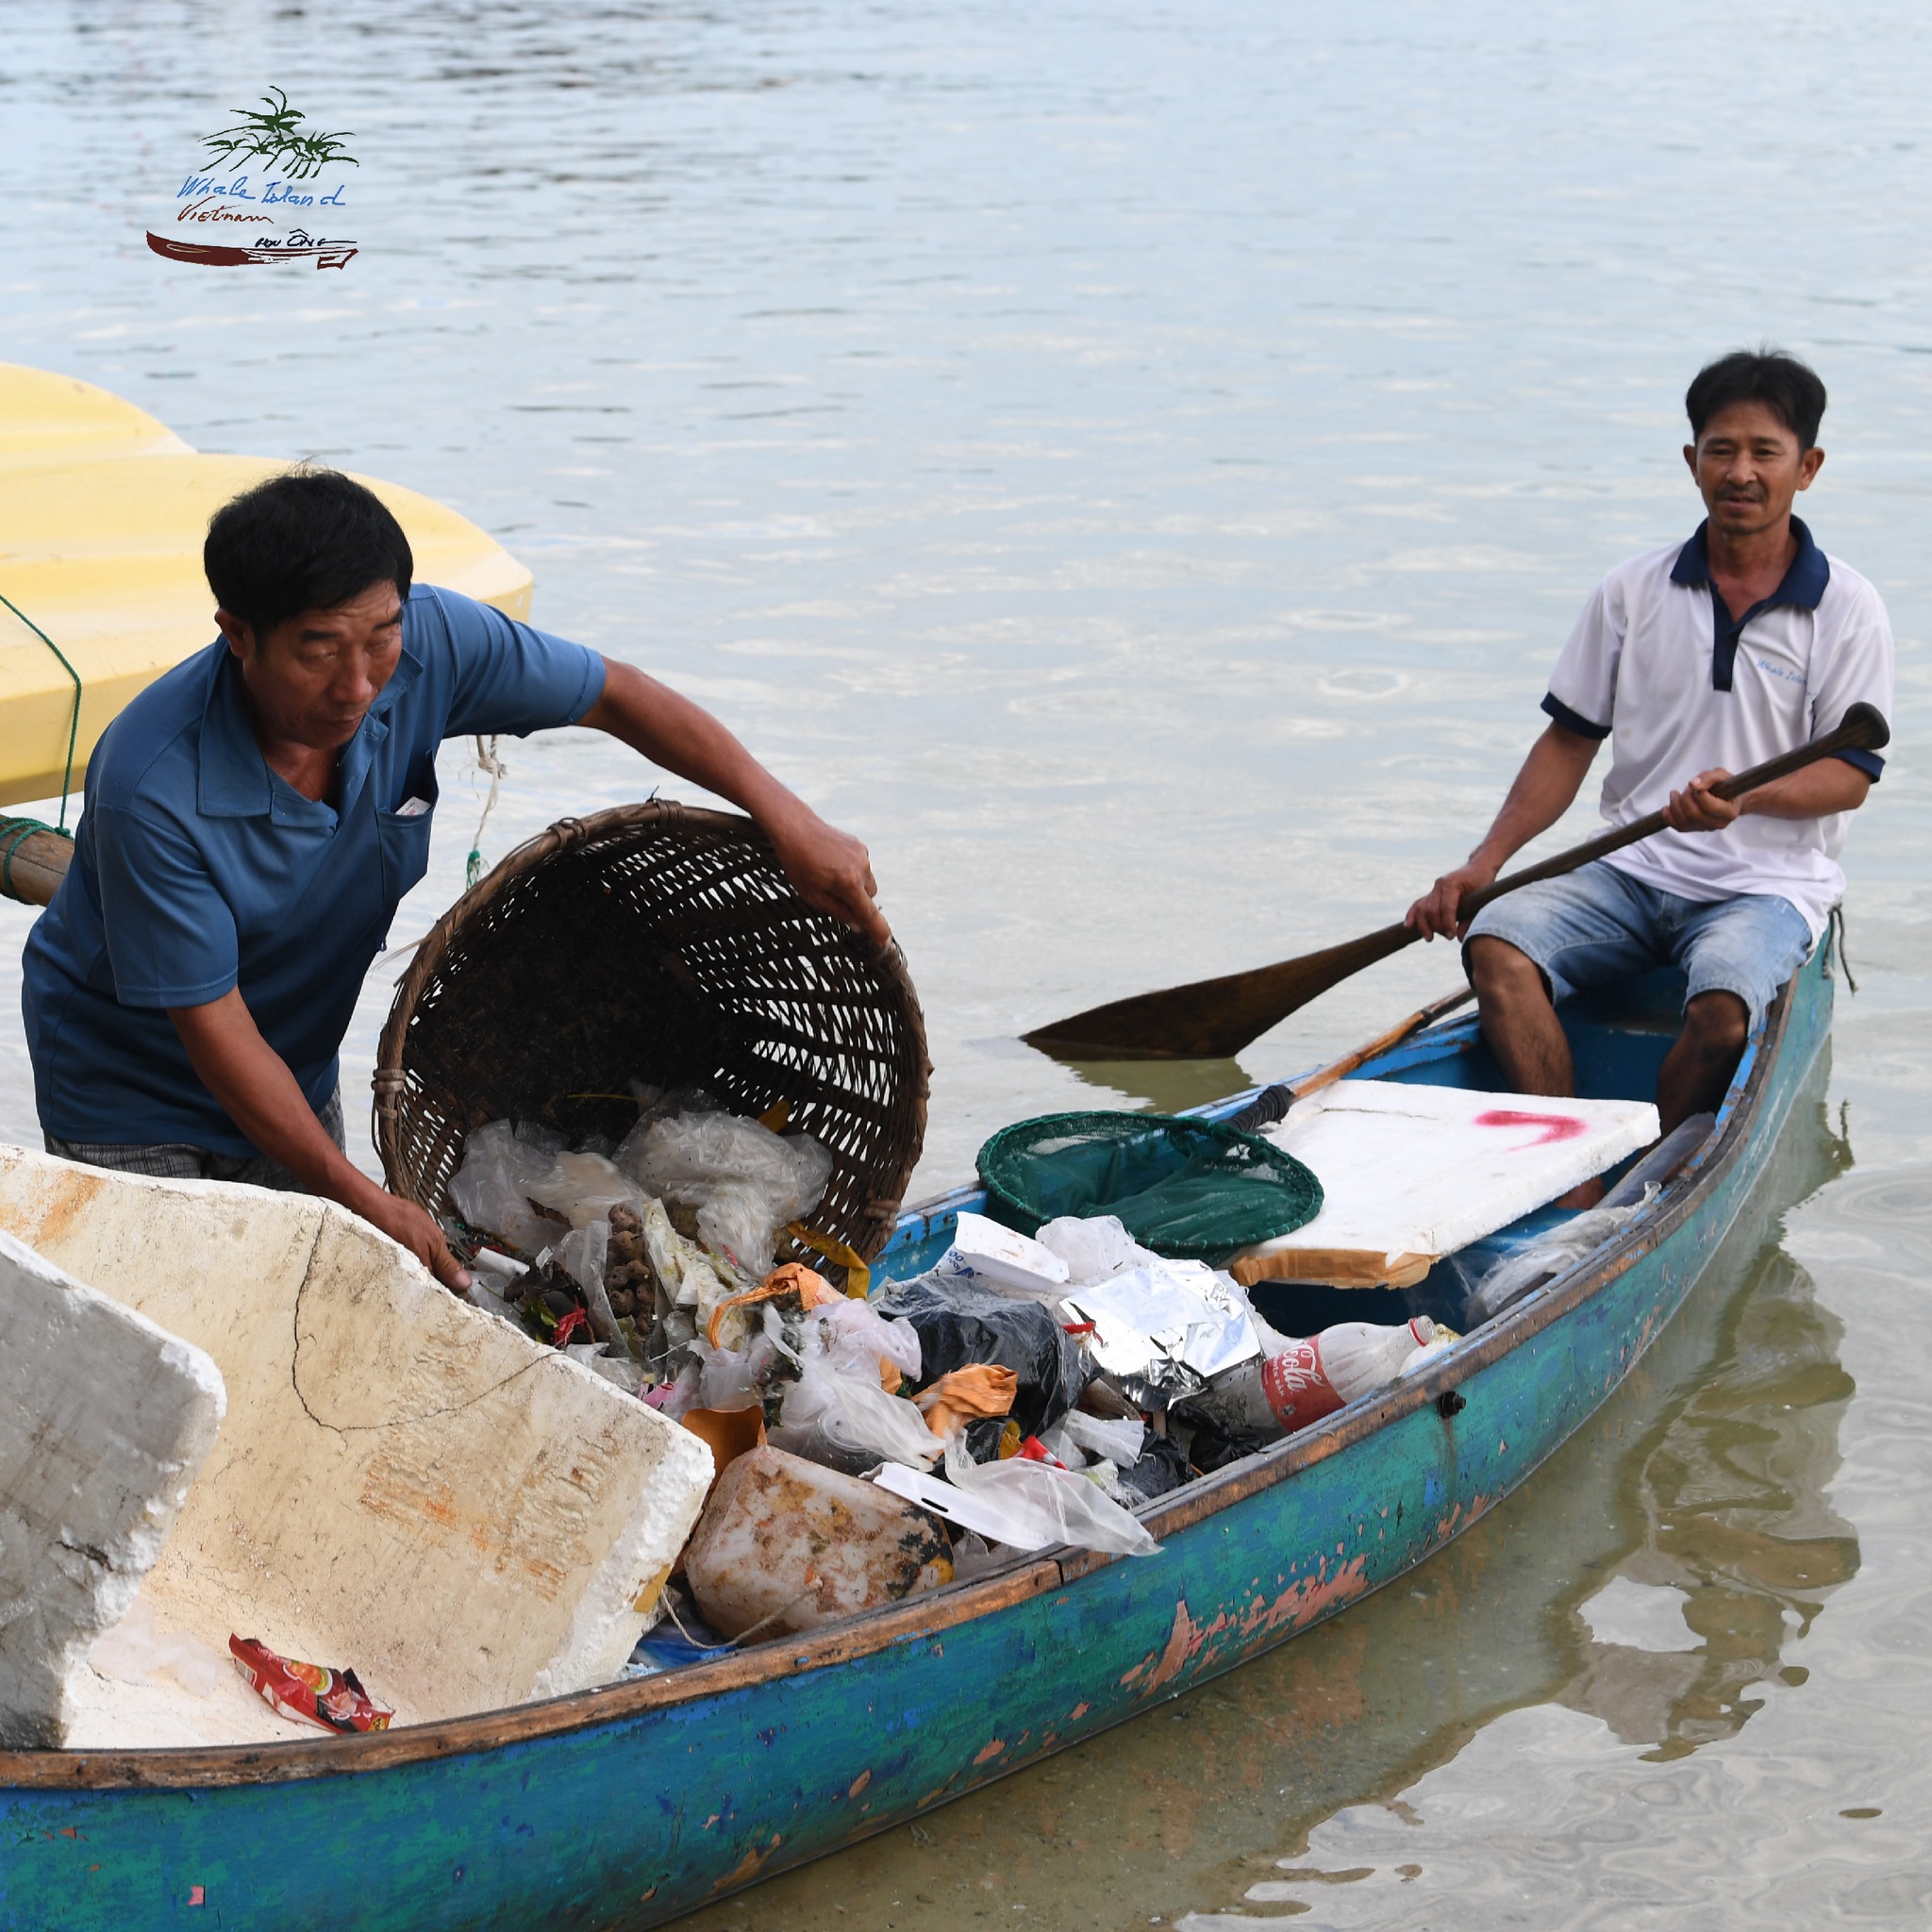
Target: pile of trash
[1022,1393]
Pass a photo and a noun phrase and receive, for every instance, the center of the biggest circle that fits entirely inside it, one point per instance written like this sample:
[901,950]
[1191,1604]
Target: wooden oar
[1273,1103]
[1213,1019]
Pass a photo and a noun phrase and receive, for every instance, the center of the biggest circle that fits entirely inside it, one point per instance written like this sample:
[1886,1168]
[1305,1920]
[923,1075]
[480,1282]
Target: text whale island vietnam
[235,206]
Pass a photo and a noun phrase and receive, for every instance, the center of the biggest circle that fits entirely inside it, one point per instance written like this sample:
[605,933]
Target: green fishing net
[1191,1189]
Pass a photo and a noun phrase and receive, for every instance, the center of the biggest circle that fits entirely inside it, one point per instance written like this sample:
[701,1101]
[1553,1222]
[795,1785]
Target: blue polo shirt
[197,869]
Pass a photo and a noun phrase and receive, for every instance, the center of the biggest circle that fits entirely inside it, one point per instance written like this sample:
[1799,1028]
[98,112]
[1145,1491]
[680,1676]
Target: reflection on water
[1735,1517]
[1703,1481]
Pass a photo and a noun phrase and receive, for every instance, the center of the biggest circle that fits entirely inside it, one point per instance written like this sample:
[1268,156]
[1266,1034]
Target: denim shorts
[1598,925]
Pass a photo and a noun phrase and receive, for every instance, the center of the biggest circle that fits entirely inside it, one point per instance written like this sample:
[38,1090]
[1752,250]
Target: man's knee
[1503,975]
[1716,1025]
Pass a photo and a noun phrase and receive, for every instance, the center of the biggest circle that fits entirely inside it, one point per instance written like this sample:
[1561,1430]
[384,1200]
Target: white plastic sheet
[1027,1506]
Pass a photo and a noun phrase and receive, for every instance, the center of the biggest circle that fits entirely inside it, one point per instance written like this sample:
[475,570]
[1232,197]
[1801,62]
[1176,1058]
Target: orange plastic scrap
[790,1278]
[333,1699]
[728,1433]
[960,1394]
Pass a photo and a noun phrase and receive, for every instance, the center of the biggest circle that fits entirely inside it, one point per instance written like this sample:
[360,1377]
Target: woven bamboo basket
[659,942]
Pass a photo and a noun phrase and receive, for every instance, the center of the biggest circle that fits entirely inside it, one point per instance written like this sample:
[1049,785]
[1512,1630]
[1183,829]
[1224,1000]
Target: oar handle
[1862,729]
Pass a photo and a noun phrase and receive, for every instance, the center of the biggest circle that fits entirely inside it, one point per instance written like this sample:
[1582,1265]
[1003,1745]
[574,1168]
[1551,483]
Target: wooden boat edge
[200,1767]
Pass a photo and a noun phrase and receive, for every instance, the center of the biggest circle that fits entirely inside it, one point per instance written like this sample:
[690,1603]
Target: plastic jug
[784,1544]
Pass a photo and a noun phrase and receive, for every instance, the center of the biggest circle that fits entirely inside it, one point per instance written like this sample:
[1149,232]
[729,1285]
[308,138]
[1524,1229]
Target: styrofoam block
[404,1484]
[1409,1172]
[105,1419]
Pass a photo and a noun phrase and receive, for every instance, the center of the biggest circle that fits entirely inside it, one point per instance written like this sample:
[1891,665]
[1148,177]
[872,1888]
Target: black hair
[1790,390]
[305,539]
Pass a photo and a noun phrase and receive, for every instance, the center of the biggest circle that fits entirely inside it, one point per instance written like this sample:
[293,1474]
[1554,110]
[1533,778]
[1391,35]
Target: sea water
[1135,465]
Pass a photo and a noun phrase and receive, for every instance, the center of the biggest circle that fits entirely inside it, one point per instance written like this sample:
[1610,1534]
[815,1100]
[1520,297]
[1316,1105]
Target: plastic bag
[738,1378]
[1120,1442]
[1030,1505]
[690,1277]
[841,1416]
[959,1322]
[1162,1468]
[627,1374]
[854,1336]
[504,1167]
[507,1166]
[745,1181]
[1093,1247]
[1516,1275]
[960,1395]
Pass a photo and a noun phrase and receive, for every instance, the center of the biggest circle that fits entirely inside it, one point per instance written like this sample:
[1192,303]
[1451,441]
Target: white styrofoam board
[403,1483]
[105,1420]
[1413,1170]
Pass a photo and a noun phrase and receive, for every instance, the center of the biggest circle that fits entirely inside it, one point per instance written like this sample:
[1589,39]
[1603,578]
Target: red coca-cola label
[1297,1390]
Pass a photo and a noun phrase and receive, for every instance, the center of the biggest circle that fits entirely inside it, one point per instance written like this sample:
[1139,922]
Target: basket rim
[564,835]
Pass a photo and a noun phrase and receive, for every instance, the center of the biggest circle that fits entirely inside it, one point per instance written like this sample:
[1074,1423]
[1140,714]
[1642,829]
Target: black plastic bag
[1162,1467]
[960,1323]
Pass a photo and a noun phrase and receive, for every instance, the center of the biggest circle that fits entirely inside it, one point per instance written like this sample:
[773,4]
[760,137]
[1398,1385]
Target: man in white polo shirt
[1696,660]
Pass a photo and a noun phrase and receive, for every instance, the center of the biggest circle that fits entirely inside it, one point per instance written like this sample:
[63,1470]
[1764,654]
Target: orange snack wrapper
[312,1692]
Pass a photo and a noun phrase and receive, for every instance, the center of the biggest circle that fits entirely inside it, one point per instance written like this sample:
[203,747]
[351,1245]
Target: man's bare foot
[1578,1198]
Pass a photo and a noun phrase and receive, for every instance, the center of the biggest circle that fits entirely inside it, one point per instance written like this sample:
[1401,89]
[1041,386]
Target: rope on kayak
[19,830]
[73,738]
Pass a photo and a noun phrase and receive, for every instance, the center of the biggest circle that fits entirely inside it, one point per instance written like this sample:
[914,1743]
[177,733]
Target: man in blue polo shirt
[254,817]
[1695,661]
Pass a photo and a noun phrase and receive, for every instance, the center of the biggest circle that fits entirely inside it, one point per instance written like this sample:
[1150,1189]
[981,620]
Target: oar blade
[1212,1019]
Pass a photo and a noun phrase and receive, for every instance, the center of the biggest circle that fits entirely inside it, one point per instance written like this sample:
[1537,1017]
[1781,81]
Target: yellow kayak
[102,514]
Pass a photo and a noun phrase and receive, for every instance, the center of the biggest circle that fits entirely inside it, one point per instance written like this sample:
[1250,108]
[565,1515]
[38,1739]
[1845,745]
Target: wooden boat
[629,1805]
[102,514]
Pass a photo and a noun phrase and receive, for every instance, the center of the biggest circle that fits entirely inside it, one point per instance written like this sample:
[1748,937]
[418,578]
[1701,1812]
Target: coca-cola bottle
[1302,1381]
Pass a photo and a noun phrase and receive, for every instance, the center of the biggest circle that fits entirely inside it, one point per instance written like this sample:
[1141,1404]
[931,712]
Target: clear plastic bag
[852,1335]
[1119,1442]
[1516,1275]
[507,1166]
[844,1415]
[1093,1247]
[745,1181]
[691,1278]
[504,1168]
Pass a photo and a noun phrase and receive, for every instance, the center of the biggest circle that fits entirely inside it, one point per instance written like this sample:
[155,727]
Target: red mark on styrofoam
[1555,1127]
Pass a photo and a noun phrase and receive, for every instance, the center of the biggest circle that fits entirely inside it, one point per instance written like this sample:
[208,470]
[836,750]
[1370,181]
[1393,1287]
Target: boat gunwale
[196,1767]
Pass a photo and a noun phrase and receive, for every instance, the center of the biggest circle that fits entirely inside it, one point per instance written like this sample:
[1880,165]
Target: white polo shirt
[1659,666]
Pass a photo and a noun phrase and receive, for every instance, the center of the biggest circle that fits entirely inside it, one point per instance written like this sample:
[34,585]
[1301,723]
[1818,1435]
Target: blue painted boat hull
[629,1806]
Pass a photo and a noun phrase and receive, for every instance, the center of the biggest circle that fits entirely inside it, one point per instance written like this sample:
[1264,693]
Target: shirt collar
[1803,584]
[235,781]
